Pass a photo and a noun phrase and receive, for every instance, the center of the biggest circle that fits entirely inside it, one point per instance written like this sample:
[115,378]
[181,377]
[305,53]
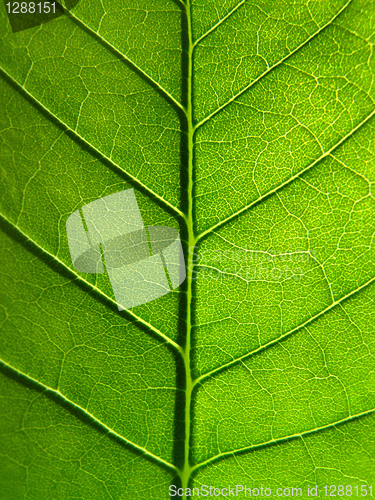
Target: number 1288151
[31,7]
[347,491]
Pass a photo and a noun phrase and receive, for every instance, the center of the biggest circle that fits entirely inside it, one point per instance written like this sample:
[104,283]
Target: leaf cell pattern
[249,127]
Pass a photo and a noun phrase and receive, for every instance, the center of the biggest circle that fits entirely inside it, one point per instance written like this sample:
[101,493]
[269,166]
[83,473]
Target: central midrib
[186,471]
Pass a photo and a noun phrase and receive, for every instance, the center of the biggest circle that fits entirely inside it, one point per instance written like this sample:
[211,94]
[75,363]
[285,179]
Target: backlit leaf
[250,128]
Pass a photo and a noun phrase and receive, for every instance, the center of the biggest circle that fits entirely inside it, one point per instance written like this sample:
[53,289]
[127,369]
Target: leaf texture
[250,128]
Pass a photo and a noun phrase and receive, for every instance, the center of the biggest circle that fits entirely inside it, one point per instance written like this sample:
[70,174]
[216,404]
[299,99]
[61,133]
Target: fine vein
[287,182]
[232,453]
[284,335]
[77,277]
[140,184]
[268,70]
[110,431]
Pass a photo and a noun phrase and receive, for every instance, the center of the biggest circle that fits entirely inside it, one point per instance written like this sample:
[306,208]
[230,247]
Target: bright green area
[248,126]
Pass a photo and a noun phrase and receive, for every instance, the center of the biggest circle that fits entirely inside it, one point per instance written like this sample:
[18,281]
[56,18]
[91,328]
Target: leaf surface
[250,128]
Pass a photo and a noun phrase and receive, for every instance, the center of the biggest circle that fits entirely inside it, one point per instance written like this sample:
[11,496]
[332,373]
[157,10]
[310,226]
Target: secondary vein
[287,182]
[77,277]
[110,431]
[140,184]
[135,66]
[283,336]
[215,26]
[268,70]
[283,439]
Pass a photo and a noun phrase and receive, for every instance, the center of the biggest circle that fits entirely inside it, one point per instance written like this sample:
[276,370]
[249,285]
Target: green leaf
[250,128]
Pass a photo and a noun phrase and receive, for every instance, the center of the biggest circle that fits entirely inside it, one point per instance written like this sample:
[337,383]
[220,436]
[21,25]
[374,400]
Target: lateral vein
[110,431]
[213,28]
[283,336]
[283,439]
[287,182]
[268,70]
[147,77]
[93,287]
[136,181]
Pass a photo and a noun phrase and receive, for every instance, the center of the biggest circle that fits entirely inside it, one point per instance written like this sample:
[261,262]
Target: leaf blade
[262,366]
